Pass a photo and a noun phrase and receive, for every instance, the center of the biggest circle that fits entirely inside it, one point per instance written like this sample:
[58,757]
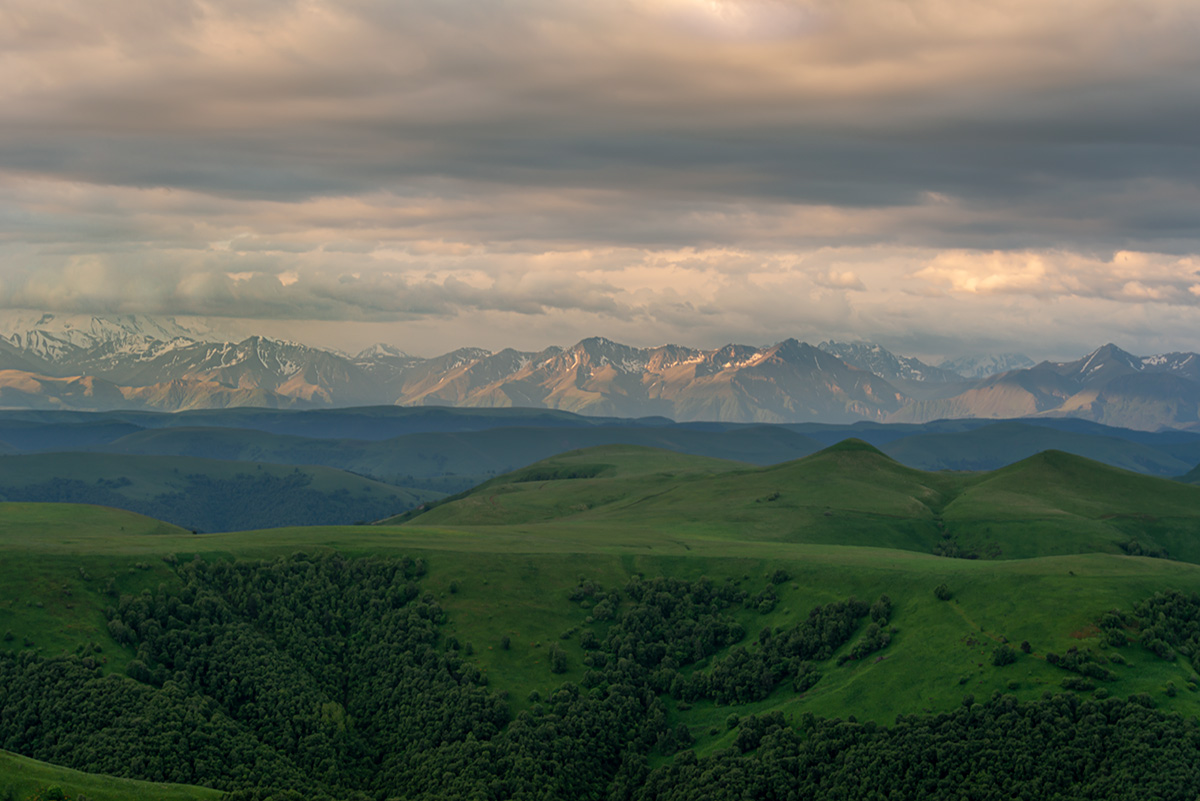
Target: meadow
[503,561]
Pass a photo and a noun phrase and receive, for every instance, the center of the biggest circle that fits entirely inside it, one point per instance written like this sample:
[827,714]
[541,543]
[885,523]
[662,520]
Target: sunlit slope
[850,494]
[23,777]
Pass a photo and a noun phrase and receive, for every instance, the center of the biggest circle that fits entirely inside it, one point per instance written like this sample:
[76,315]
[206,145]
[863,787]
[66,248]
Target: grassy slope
[528,544]
[515,580]
[850,494]
[1056,503]
[50,586]
[25,776]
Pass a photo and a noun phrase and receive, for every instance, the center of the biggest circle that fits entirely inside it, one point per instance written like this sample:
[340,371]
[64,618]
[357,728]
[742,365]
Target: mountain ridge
[131,362]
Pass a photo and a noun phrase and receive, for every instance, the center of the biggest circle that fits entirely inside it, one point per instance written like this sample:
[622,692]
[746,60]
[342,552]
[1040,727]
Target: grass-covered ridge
[848,494]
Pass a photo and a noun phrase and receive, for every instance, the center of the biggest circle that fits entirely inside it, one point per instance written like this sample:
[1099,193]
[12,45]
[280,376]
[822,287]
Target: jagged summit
[985,365]
[381,350]
[143,362]
[874,358]
[1102,364]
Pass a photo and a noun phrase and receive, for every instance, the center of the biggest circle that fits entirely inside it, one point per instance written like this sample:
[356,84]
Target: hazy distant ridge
[138,362]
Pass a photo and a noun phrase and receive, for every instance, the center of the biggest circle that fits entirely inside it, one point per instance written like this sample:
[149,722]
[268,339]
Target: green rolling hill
[849,494]
[616,616]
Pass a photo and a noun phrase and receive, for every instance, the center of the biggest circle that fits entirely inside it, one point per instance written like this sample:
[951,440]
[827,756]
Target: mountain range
[135,362]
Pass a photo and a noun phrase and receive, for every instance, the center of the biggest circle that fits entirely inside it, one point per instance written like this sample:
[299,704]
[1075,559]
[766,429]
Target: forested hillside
[329,677]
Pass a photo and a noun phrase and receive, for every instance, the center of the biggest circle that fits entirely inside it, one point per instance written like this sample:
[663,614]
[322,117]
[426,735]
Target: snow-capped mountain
[57,337]
[77,362]
[1109,386]
[1182,364]
[1100,366]
[984,365]
[885,364]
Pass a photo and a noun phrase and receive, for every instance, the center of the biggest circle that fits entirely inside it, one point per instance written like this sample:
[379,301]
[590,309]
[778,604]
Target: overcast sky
[942,177]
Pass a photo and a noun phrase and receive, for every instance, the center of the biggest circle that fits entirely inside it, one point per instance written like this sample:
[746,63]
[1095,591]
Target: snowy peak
[1101,365]
[598,352]
[1178,363]
[874,358]
[985,365]
[146,363]
[31,330]
[380,350]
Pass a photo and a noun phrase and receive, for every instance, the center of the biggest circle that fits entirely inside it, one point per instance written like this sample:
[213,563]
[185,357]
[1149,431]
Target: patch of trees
[667,625]
[559,473]
[1058,747]
[752,674]
[1166,624]
[1085,662]
[1135,548]
[663,624]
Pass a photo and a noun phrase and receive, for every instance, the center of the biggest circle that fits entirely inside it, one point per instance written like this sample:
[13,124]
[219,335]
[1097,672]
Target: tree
[558,659]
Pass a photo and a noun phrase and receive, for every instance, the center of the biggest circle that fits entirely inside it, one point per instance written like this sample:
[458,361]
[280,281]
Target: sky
[941,177]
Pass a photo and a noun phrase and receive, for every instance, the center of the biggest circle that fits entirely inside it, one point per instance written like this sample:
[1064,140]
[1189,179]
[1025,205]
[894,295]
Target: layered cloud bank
[461,172]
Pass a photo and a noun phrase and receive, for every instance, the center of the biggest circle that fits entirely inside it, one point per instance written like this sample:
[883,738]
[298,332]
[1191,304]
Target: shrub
[1003,655]
[942,592]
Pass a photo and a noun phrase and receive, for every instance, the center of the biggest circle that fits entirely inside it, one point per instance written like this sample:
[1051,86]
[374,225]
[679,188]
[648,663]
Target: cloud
[659,167]
[840,280]
[1126,276]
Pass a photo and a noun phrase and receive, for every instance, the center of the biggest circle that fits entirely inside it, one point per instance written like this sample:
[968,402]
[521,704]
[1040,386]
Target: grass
[503,560]
[850,494]
[23,777]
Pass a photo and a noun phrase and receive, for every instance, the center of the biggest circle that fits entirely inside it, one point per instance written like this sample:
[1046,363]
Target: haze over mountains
[91,363]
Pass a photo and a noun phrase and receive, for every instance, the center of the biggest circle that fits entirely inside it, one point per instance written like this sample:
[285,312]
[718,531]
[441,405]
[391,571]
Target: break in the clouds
[936,175]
